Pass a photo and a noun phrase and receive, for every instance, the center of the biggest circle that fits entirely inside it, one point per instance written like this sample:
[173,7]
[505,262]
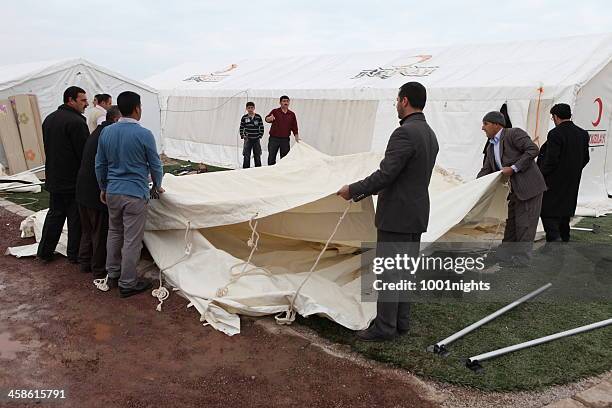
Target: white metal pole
[440,347]
[496,353]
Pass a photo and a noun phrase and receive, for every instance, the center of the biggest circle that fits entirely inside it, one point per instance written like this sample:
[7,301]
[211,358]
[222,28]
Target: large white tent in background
[48,80]
[345,103]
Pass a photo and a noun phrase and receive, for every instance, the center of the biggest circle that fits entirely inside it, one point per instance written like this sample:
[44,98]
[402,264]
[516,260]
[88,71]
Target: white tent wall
[49,80]
[463,83]
[207,127]
[457,124]
[596,184]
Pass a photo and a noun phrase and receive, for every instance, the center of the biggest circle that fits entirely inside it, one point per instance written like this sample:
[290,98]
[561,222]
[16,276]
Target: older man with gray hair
[512,152]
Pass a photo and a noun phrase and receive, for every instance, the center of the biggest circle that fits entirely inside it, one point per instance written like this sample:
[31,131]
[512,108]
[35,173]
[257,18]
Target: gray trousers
[126,222]
[522,223]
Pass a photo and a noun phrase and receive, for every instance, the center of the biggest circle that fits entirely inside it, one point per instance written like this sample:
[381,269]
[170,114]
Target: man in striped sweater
[251,130]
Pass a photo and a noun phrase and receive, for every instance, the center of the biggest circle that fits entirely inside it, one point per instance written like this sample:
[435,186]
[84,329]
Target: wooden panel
[9,135]
[32,150]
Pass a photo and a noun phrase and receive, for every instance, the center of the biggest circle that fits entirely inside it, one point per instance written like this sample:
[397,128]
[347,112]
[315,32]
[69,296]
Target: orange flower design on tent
[30,155]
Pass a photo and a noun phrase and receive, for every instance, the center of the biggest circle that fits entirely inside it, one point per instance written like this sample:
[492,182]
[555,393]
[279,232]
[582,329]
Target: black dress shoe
[372,334]
[402,332]
[141,286]
[46,259]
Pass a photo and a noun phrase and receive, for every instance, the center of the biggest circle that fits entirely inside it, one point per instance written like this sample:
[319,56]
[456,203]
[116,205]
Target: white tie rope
[102,284]
[162,293]
[289,316]
[252,243]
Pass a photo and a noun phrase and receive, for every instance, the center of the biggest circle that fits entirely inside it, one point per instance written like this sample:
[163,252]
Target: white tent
[48,80]
[345,103]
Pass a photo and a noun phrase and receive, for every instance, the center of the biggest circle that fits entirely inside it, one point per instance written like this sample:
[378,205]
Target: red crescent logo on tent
[600,107]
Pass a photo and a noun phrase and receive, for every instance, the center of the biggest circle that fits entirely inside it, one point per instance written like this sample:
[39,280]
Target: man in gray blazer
[512,152]
[402,212]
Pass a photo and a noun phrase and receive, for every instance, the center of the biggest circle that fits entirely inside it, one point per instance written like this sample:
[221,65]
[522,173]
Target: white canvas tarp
[296,210]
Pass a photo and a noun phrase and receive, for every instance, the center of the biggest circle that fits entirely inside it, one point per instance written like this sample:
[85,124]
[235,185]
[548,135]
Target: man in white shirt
[98,114]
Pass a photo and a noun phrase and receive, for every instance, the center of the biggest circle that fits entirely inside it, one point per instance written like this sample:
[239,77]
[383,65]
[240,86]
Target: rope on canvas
[252,243]
[289,316]
[161,293]
[536,137]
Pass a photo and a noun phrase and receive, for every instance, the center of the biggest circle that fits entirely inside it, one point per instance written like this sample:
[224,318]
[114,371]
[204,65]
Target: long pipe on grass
[473,362]
[440,347]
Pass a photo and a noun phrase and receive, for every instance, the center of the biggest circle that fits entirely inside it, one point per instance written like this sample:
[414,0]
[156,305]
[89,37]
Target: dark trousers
[94,233]
[557,228]
[521,225]
[62,206]
[251,145]
[274,144]
[392,307]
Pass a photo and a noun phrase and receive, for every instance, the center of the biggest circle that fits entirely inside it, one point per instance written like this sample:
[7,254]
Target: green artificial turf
[558,362]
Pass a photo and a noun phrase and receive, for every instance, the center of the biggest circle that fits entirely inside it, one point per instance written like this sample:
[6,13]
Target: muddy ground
[58,332]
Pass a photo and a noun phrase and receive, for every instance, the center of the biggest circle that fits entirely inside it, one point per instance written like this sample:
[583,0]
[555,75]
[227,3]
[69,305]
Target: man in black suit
[64,135]
[402,214]
[561,161]
[93,212]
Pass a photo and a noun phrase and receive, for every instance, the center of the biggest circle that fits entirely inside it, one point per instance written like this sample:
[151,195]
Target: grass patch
[558,362]
[31,201]
[178,166]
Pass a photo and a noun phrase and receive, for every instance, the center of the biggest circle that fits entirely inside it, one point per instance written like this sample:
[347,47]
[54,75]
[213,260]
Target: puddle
[9,348]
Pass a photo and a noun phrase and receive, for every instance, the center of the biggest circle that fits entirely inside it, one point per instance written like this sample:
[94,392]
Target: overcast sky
[140,38]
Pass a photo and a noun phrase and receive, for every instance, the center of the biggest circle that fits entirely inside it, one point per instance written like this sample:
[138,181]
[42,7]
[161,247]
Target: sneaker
[141,286]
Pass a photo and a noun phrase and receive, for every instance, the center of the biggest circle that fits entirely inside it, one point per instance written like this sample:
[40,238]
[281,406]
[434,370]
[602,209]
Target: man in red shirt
[283,123]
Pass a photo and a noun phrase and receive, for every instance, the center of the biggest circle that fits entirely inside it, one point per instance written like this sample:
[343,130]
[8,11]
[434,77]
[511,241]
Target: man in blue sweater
[126,156]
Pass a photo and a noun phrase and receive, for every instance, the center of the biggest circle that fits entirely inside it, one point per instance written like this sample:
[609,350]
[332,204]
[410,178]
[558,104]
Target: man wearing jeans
[251,130]
[126,156]
[283,123]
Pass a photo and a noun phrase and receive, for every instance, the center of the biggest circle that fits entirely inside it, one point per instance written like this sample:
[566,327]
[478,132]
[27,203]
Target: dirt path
[58,332]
